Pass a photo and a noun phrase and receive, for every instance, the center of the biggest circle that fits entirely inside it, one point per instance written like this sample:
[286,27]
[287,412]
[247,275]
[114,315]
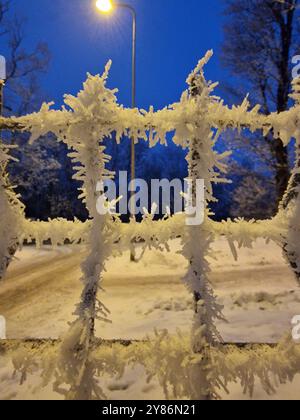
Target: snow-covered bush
[12,214]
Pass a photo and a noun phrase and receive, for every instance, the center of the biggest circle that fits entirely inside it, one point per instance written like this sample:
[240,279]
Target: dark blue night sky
[172,36]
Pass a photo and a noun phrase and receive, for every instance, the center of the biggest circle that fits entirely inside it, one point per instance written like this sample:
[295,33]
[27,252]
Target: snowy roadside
[259,293]
[38,298]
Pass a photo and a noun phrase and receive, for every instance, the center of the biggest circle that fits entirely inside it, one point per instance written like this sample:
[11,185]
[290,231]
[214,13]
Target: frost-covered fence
[196,123]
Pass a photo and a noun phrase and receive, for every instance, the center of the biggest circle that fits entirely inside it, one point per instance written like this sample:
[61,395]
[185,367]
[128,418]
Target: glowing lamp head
[105,6]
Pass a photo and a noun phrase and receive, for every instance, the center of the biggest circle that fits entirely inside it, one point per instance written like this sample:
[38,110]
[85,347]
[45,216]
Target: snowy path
[42,288]
[37,292]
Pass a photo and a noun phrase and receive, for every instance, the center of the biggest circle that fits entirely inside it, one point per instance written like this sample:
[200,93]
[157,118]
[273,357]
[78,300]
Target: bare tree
[23,67]
[260,39]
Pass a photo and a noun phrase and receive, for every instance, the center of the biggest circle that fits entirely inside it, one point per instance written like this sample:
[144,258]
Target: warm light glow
[104,6]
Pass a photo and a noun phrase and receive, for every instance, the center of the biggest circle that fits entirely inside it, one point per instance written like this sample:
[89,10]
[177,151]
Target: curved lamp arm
[133,13]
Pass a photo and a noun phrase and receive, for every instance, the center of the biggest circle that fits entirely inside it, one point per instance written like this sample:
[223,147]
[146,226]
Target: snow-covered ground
[259,293]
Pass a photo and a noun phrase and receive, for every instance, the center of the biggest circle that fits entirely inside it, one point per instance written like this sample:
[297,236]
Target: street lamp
[106,6]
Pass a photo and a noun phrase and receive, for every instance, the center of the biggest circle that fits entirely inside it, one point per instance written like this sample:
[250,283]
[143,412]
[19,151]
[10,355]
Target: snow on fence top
[195,122]
[96,108]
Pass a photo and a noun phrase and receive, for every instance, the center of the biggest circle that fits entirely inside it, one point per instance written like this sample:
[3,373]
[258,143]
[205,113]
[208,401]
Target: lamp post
[107,6]
[2,81]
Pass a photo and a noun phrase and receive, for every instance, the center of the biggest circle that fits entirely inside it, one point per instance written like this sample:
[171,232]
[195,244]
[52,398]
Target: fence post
[196,245]
[9,246]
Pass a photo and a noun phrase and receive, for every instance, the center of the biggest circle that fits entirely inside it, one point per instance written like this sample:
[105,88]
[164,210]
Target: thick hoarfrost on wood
[195,122]
[149,234]
[169,359]
[97,106]
[172,360]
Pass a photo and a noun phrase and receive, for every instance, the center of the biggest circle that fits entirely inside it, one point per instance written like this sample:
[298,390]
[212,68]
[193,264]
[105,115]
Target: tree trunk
[285,20]
[282,169]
